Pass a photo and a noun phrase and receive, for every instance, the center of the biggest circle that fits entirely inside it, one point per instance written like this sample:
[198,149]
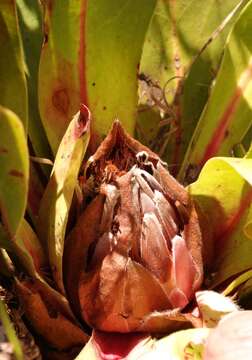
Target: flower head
[138,241]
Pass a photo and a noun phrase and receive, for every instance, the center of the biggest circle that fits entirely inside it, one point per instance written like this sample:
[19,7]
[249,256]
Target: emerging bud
[137,242]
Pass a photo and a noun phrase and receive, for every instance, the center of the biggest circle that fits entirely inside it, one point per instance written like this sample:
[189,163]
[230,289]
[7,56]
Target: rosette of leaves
[98,236]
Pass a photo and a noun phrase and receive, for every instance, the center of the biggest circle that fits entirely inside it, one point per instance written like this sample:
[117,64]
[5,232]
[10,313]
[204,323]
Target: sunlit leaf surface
[227,116]
[14,165]
[13,88]
[224,193]
[95,62]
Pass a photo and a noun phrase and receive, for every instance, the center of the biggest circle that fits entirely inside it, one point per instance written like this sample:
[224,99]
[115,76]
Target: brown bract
[134,259]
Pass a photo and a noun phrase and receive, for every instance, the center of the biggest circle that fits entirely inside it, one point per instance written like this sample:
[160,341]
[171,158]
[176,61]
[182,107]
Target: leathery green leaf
[224,193]
[30,21]
[247,142]
[227,116]
[96,62]
[28,249]
[249,152]
[36,191]
[6,268]
[244,280]
[14,165]
[13,88]
[173,41]
[59,79]
[113,54]
[56,202]
[10,332]
[175,36]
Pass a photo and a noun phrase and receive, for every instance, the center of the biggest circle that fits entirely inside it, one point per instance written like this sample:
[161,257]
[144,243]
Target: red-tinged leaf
[227,116]
[35,192]
[96,62]
[28,249]
[14,165]
[13,86]
[224,193]
[59,82]
[175,37]
[55,205]
[173,42]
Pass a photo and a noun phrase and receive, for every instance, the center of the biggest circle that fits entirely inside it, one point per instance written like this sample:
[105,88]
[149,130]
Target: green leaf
[28,250]
[30,21]
[24,249]
[36,191]
[224,193]
[243,279]
[13,88]
[243,289]
[148,124]
[6,267]
[227,116]
[16,234]
[59,79]
[175,37]
[115,46]
[249,152]
[10,332]
[173,41]
[96,63]
[57,199]
[247,139]
[14,165]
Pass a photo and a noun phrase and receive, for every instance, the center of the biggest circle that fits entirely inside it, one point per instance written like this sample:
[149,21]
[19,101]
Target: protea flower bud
[137,242]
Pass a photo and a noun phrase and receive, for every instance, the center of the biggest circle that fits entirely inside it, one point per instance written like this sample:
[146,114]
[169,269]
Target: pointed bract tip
[84,119]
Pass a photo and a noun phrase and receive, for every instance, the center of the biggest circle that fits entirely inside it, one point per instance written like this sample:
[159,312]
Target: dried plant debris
[29,347]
